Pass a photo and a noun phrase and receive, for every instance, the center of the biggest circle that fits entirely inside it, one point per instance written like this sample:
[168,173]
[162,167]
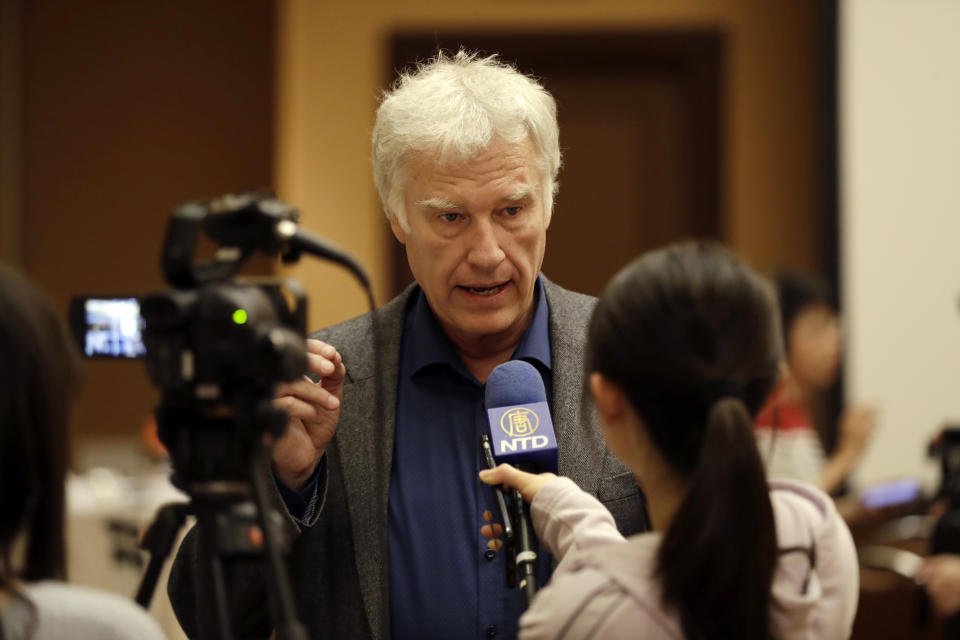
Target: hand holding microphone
[521,433]
[529,484]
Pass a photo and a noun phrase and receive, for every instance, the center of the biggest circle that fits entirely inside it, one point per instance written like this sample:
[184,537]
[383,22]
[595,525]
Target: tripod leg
[282,602]
[149,581]
[220,596]
[158,540]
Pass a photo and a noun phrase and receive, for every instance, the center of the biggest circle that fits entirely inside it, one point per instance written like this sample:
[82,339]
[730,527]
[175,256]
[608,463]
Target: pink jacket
[603,585]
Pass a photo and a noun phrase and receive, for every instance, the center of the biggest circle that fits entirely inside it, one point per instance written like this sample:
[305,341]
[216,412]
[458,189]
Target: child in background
[682,352]
[785,430]
[39,371]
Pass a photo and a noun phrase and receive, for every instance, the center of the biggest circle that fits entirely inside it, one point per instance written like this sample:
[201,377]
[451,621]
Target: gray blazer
[339,562]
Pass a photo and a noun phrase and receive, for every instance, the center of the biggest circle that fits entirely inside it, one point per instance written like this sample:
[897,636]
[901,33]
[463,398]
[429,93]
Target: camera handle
[229,525]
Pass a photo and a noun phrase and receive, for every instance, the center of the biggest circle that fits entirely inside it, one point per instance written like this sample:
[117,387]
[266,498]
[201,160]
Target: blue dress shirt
[447,579]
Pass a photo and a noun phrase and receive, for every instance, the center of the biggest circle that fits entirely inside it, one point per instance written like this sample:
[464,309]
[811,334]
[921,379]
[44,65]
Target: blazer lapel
[365,442]
[580,445]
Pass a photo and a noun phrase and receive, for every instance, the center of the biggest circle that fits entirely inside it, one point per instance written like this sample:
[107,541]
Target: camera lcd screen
[888,494]
[111,328]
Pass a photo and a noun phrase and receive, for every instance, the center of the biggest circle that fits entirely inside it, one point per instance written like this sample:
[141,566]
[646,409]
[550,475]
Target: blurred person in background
[683,350]
[786,433]
[38,381]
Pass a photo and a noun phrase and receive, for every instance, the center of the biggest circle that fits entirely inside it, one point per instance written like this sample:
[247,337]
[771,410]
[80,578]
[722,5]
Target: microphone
[522,434]
[519,418]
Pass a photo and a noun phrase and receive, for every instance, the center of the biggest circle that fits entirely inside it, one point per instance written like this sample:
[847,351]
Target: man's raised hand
[314,410]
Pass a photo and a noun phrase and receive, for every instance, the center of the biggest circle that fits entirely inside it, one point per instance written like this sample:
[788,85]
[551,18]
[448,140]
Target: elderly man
[398,537]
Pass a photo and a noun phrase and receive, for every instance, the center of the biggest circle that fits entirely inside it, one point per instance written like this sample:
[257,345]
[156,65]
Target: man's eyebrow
[440,204]
[519,195]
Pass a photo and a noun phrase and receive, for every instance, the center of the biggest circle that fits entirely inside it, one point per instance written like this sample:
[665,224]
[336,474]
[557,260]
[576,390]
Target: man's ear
[397,229]
[609,398]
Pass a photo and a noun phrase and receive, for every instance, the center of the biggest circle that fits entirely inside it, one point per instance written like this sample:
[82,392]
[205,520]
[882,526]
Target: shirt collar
[428,345]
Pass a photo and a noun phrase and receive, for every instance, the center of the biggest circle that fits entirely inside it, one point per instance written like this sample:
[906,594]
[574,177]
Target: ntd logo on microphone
[525,434]
[519,422]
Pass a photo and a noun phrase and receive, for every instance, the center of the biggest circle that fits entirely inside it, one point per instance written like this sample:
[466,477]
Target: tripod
[234,520]
[216,347]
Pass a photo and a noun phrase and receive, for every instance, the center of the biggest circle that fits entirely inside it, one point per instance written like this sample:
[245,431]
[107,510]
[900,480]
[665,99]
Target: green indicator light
[240,316]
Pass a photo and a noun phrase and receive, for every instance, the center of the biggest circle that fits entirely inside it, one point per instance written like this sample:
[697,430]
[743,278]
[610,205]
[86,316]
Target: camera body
[223,339]
[215,345]
[202,341]
[213,336]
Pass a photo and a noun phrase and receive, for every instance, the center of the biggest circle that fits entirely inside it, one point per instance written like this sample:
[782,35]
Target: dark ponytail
[717,558]
[691,336]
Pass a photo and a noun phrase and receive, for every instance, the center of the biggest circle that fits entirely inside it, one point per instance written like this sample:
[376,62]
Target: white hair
[455,107]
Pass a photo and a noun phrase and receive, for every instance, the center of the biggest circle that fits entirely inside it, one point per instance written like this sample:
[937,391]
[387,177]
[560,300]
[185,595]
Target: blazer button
[489,554]
[491,630]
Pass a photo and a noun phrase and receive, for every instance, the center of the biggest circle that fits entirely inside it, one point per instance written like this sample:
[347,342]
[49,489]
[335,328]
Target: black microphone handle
[500,491]
[526,545]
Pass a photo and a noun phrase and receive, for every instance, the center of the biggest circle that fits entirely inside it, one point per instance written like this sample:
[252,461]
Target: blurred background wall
[334,58]
[128,109]
[900,96]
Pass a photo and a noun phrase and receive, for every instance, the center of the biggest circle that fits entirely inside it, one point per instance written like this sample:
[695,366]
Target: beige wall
[332,64]
[901,226]
[121,123]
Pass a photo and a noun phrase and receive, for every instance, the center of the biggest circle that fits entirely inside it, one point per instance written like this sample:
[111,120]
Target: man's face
[477,233]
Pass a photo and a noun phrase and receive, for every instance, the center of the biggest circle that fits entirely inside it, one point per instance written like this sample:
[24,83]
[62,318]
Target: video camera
[214,345]
[217,346]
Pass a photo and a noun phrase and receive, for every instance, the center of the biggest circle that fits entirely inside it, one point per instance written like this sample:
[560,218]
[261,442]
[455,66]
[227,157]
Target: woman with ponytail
[683,349]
